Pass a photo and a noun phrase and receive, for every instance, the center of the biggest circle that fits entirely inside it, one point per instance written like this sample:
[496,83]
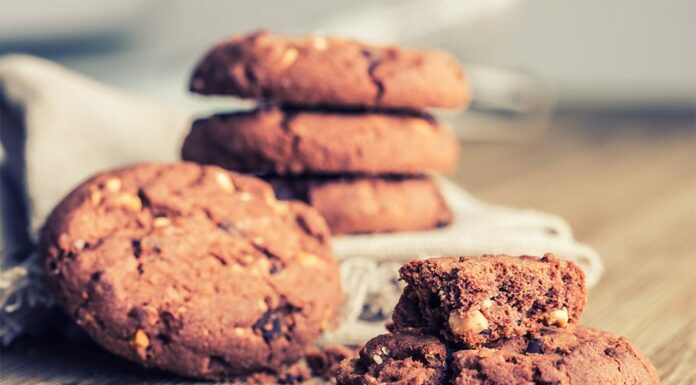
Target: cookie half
[358,205]
[399,358]
[475,300]
[192,269]
[288,141]
[314,70]
[571,356]
[556,356]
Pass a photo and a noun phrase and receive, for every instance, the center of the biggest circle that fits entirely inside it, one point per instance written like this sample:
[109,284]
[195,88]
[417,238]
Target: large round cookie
[192,269]
[289,141]
[356,205]
[316,70]
[574,356]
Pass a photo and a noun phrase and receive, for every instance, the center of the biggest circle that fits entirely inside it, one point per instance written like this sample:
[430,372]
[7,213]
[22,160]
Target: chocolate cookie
[192,269]
[315,70]
[399,358]
[573,356]
[318,363]
[474,300]
[353,205]
[289,141]
[325,362]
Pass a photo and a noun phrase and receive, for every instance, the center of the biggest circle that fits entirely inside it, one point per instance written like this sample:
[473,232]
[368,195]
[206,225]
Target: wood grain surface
[627,185]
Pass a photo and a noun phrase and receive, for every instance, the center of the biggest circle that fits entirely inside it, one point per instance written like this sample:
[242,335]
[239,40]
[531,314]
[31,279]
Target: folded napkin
[59,127]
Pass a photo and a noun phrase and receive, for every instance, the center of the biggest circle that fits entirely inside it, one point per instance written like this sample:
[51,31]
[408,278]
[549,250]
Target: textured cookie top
[353,205]
[316,70]
[192,269]
[291,141]
[573,356]
[398,358]
[474,300]
[558,356]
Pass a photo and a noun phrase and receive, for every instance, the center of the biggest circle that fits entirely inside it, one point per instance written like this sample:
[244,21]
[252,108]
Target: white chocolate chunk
[474,322]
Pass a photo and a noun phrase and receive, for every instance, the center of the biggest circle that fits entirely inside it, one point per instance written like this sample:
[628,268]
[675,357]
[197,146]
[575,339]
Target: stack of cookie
[494,320]
[341,125]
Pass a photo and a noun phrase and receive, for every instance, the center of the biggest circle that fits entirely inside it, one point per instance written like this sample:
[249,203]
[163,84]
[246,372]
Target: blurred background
[585,109]
[594,55]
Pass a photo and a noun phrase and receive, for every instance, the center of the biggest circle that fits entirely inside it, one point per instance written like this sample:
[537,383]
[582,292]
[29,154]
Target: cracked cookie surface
[290,141]
[192,269]
[330,71]
[361,205]
[573,356]
[475,300]
[554,356]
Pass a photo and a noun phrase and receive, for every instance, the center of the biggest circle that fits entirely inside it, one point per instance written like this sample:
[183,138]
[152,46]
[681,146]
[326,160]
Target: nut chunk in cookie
[192,269]
[569,356]
[398,358]
[474,300]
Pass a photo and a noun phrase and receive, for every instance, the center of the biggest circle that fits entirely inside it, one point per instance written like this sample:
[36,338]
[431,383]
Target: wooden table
[627,185]
[628,188]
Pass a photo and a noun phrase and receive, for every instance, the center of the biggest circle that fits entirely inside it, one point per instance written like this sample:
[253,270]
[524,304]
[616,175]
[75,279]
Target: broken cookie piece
[475,300]
[398,358]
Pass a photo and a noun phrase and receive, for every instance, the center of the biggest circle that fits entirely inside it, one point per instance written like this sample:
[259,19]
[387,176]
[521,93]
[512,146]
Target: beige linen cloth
[59,127]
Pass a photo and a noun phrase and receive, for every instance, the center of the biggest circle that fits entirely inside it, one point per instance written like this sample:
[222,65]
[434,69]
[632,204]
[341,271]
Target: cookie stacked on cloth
[341,125]
[494,320]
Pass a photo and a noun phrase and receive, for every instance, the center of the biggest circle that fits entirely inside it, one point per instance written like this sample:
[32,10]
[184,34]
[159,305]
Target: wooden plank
[632,196]
[628,188]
